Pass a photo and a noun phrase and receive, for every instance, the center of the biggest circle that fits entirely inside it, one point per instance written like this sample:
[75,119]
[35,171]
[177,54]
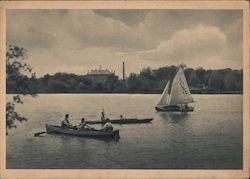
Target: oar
[39,133]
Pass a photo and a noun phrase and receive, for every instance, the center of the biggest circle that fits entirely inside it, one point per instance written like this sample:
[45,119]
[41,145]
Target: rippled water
[210,137]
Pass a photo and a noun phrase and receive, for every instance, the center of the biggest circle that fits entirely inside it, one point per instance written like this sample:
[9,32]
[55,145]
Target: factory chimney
[123,71]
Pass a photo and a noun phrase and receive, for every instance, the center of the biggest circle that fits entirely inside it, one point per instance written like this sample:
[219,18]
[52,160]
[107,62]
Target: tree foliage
[20,80]
[147,81]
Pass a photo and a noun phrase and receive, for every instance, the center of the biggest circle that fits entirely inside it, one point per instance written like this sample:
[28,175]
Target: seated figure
[83,125]
[108,126]
[65,122]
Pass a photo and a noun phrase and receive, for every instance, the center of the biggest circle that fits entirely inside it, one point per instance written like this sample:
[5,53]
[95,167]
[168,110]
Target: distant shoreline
[148,81]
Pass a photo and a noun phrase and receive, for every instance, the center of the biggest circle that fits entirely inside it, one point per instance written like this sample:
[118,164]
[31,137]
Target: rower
[83,125]
[65,122]
[108,126]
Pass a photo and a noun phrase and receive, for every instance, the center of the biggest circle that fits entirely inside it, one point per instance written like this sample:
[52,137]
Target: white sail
[164,97]
[180,93]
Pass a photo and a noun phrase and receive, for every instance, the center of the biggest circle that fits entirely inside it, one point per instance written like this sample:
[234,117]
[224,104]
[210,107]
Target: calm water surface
[210,137]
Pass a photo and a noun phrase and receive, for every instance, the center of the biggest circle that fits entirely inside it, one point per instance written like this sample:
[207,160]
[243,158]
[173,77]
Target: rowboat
[82,133]
[122,121]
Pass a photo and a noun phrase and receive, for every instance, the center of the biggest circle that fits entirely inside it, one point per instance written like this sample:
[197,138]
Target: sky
[75,41]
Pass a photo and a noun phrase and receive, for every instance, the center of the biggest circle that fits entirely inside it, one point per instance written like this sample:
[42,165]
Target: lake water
[210,137]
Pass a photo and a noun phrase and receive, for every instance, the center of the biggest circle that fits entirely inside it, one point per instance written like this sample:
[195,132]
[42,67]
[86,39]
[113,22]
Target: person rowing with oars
[83,125]
[66,124]
[108,126]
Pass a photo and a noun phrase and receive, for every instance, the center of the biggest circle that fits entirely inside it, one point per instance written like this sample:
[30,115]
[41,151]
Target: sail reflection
[174,117]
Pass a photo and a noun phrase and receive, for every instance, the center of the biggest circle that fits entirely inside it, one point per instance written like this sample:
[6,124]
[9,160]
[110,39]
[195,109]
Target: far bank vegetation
[147,81]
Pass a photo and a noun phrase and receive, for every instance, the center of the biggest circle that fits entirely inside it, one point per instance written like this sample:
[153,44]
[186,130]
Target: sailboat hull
[174,109]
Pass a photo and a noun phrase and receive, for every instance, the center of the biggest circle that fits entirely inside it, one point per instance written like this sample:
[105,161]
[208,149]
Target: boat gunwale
[73,132]
[123,121]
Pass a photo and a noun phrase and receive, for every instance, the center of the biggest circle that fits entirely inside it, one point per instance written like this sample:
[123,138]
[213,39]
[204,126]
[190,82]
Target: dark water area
[211,137]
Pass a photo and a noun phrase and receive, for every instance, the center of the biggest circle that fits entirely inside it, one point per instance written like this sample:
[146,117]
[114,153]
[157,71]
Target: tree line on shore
[147,81]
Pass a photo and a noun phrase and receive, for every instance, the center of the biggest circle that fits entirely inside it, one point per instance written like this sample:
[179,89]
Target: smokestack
[123,71]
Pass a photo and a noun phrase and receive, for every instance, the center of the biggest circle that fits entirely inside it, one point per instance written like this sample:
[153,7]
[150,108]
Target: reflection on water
[68,138]
[174,117]
[210,137]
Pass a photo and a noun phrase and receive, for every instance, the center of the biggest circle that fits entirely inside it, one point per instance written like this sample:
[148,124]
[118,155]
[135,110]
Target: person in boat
[66,123]
[83,125]
[121,117]
[108,126]
[103,116]
[184,106]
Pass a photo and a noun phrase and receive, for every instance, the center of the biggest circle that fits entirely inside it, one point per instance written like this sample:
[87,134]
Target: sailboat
[176,95]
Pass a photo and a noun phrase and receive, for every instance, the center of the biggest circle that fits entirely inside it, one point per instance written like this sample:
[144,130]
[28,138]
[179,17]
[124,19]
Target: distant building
[99,75]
